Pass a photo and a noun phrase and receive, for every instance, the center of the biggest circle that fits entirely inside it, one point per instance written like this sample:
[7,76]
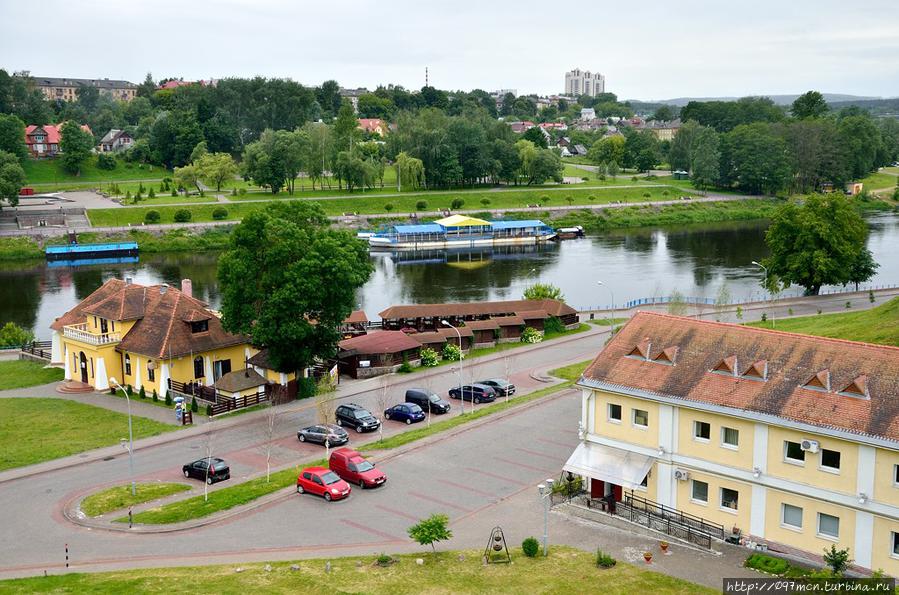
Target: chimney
[163,288]
[127,280]
[187,287]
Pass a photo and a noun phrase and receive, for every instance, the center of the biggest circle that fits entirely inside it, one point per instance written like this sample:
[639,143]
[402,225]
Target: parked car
[358,417]
[353,468]
[427,400]
[503,388]
[407,412]
[208,470]
[335,435]
[322,482]
[476,393]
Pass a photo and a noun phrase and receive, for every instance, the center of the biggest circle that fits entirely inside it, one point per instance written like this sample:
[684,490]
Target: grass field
[565,570]
[36,430]
[878,181]
[20,248]
[120,497]
[21,373]
[49,174]
[877,325]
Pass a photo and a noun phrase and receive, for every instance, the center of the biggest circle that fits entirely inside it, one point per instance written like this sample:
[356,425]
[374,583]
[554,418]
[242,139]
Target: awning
[606,463]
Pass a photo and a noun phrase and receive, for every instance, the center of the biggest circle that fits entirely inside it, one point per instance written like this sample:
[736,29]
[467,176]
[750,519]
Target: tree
[12,334]
[680,154]
[75,145]
[12,178]
[821,242]
[293,295]
[87,96]
[607,150]
[431,530]
[215,169]
[410,172]
[705,158]
[862,268]
[641,150]
[754,159]
[146,88]
[199,151]
[269,429]
[346,128]
[318,151]
[809,105]
[261,163]
[542,291]
[837,560]
[536,136]
[12,136]
[663,113]
[187,177]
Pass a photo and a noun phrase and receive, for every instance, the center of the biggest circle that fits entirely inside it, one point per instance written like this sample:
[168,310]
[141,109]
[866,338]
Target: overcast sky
[647,50]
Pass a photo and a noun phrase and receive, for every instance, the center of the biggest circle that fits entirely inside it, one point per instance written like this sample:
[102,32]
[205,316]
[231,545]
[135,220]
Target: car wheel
[327,496]
[361,484]
[477,400]
[340,422]
[386,416]
[187,473]
[209,480]
[302,438]
[300,489]
[408,421]
[359,429]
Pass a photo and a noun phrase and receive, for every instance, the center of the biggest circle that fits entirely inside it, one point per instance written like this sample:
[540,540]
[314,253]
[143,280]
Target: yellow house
[779,439]
[143,337]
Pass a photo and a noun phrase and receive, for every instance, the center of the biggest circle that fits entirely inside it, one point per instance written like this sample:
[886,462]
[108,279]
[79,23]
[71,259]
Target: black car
[335,435]
[358,417]
[208,470]
[476,393]
[427,400]
[503,388]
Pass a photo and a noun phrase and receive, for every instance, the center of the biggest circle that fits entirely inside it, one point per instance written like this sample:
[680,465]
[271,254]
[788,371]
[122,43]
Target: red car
[349,465]
[322,482]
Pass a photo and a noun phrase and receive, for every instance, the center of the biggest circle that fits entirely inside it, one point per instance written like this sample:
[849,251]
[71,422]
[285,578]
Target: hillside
[785,99]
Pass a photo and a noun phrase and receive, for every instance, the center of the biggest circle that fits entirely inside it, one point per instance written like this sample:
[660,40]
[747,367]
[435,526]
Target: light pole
[768,289]
[545,490]
[461,394]
[130,436]
[612,315]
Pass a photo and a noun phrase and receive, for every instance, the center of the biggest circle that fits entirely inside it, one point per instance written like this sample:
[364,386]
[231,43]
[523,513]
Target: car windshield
[362,414]
[330,477]
[364,466]
[434,398]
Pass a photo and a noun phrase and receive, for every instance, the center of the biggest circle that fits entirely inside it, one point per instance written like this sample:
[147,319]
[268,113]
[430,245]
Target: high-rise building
[583,82]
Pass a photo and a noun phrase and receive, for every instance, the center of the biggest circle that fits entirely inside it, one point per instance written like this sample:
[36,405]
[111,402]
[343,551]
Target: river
[696,260]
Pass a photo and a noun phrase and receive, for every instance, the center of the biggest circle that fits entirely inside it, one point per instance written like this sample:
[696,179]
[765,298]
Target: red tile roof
[790,360]
[379,342]
[53,132]
[494,309]
[371,124]
[356,317]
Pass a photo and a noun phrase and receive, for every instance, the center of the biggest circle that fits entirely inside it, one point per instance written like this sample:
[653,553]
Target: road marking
[399,513]
[522,465]
[439,501]
[537,454]
[466,488]
[368,529]
[495,476]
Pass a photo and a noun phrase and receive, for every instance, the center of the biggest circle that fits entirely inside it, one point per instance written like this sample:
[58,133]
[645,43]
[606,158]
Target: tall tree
[88,96]
[147,88]
[346,128]
[680,154]
[754,159]
[12,178]
[318,151]
[292,296]
[607,150]
[705,162]
[263,164]
[12,135]
[410,171]
[536,136]
[216,168]
[809,105]
[75,145]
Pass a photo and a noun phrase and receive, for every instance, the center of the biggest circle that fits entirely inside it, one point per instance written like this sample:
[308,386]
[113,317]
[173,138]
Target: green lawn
[565,570]
[49,174]
[36,430]
[20,248]
[878,181]
[120,497]
[877,325]
[21,373]
[571,372]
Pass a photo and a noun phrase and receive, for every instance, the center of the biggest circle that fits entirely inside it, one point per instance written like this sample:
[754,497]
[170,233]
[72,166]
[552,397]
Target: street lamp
[767,289]
[545,490]
[130,436]
[461,394]
[612,314]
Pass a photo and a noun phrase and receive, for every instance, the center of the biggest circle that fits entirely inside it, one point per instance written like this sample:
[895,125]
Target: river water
[697,261]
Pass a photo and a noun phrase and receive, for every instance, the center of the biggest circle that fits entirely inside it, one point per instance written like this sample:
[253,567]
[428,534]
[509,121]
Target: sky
[650,50]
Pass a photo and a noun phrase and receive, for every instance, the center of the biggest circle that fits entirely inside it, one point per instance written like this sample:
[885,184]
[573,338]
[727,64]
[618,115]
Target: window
[127,365]
[793,452]
[151,372]
[828,525]
[894,538]
[641,418]
[896,475]
[198,367]
[645,482]
[199,326]
[730,499]
[700,492]
[791,516]
[615,412]
[830,460]
[221,367]
[104,326]
[730,437]
[702,430]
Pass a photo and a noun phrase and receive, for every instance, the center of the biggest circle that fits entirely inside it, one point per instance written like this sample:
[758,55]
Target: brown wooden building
[428,317]
[377,353]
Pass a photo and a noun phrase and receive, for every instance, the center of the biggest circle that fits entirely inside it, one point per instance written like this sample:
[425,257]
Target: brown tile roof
[508,320]
[789,360]
[552,307]
[261,360]
[379,342]
[356,317]
[239,380]
[533,314]
[482,325]
[197,315]
[429,338]
[76,315]
[128,303]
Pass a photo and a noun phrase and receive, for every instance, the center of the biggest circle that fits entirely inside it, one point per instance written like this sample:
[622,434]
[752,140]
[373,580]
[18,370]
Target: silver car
[335,435]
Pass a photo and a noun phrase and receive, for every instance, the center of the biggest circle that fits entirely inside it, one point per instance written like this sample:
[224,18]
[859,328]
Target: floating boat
[85,251]
[460,231]
[570,233]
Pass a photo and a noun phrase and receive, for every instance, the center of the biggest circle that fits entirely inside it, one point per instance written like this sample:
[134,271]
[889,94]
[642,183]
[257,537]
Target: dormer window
[727,366]
[757,371]
[641,350]
[667,356]
[820,381]
[199,326]
[857,388]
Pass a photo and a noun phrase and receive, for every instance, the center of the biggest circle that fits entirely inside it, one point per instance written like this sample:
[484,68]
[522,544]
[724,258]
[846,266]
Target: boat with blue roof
[461,231]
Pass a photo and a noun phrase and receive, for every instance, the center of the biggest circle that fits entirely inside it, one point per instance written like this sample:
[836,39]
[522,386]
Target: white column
[588,411]
[666,488]
[760,447]
[68,369]
[210,378]
[666,428]
[757,510]
[56,348]
[865,470]
[137,380]
[282,378]
[164,379]
[864,538]
[100,380]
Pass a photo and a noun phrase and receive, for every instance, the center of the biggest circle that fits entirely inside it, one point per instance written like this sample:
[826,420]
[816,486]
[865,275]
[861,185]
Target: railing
[700,524]
[79,332]
[39,349]
[192,389]
[226,404]
[666,525]
[209,396]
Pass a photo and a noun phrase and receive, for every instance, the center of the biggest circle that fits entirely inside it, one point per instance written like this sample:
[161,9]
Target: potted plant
[664,546]
[647,556]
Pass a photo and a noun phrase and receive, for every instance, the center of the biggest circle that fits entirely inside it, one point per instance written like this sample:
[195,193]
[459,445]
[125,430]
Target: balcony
[79,332]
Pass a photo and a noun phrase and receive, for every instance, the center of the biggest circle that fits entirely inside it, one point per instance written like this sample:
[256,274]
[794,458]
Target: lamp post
[545,490]
[612,315]
[130,436]
[461,394]
[767,289]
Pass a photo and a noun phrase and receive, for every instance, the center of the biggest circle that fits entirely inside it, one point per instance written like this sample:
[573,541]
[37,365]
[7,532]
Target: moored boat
[461,231]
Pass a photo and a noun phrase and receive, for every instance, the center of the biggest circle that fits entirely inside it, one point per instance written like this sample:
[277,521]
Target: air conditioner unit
[681,475]
[809,446]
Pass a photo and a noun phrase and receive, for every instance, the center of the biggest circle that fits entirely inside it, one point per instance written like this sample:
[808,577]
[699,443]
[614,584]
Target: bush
[429,357]
[208,410]
[384,560]
[530,547]
[766,563]
[13,335]
[155,396]
[151,193]
[405,368]
[531,335]
[388,207]
[544,198]
[646,195]
[457,203]
[174,191]
[553,325]
[421,206]
[234,192]
[152,217]
[182,216]
[242,191]
[193,404]
[105,161]
[142,393]
[452,352]
[168,399]
[306,388]
[485,202]
[591,197]
[604,560]
[219,213]
[837,560]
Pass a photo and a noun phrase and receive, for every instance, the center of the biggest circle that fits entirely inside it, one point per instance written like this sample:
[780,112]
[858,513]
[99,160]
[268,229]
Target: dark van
[427,400]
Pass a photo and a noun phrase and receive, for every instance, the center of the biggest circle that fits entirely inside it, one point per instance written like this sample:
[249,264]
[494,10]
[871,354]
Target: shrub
[234,192]
[127,195]
[485,202]
[13,334]
[591,197]
[168,399]
[530,547]
[219,213]
[142,393]
[553,325]
[837,560]
[193,405]
[105,161]
[242,191]
[306,388]
[544,198]
[405,368]
[848,305]
[208,410]
[429,357]
[452,352]
[388,207]
[421,206]
[174,191]
[152,217]
[129,390]
[604,560]
[384,560]
[764,317]
[586,179]
[665,193]
[531,335]
[871,297]
[457,203]
[151,193]
[140,188]
[633,178]
[766,563]
[646,195]
[182,216]
[155,396]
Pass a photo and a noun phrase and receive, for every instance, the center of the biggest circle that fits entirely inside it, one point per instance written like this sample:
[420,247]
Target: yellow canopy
[461,221]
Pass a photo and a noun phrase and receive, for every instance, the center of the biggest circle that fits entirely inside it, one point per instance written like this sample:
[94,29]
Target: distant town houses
[176,83]
[114,140]
[66,89]
[353,96]
[662,130]
[521,127]
[588,114]
[583,82]
[561,126]
[374,126]
[43,141]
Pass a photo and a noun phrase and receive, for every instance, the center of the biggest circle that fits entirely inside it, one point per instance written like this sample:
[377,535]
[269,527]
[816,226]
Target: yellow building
[145,336]
[66,89]
[786,440]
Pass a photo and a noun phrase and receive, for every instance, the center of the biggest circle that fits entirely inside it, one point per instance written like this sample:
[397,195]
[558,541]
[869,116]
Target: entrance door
[83,364]
[221,367]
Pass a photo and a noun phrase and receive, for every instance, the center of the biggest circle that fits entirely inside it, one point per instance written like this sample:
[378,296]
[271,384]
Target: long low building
[428,317]
[762,436]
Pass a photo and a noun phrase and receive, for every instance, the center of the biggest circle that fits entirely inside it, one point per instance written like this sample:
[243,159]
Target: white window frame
[696,425]
[826,535]
[609,417]
[896,475]
[634,419]
[894,538]
[721,500]
[693,498]
[826,468]
[790,461]
[783,517]
[727,444]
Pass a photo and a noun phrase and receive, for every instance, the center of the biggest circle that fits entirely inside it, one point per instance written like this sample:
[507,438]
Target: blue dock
[86,251]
